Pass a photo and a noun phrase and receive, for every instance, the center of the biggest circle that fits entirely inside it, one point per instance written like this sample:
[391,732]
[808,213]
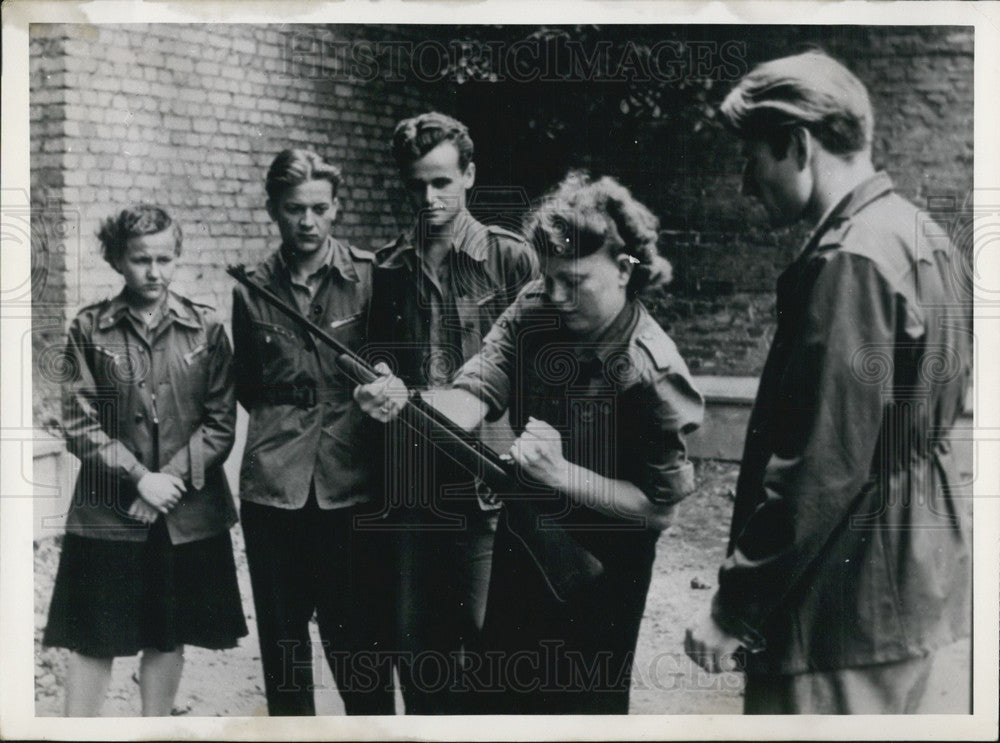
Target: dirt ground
[229,683]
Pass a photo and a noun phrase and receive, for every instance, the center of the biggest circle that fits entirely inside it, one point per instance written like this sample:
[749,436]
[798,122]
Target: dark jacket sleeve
[217,431]
[824,440]
[248,370]
[520,266]
[85,437]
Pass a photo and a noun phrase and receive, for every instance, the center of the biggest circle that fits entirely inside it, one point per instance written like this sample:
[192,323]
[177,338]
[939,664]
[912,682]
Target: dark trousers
[443,578]
[884,689]
[309,560]
[545,657]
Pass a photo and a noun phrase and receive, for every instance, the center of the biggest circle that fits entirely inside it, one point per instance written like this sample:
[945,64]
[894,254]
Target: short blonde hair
[811,90]
[134,221]
[291,168]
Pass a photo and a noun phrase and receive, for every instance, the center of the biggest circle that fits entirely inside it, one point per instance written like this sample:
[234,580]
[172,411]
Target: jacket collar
[174,309]
[613,337]
[466,240]
[338,256]
[857,199]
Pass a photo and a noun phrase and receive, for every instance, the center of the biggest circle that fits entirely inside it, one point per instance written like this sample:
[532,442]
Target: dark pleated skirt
[115,598]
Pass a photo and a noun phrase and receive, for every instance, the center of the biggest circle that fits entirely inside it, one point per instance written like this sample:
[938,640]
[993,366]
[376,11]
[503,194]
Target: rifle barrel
[360,372]
[566,567]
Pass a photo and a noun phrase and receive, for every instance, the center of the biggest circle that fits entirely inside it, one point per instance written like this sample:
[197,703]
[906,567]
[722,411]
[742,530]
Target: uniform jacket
[425,330]
[134,404]
[622,404]
[487,267]
[848,544]
[304,425]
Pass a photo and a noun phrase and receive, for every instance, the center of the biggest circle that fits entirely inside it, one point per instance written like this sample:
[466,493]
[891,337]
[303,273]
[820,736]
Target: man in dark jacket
[436,292]
[848,557]
[303,483]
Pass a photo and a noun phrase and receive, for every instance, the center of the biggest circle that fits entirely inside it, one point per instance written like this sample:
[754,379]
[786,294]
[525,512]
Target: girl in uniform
[149,410]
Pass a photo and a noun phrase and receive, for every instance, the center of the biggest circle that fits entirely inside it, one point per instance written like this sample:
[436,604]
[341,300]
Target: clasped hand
[159,492]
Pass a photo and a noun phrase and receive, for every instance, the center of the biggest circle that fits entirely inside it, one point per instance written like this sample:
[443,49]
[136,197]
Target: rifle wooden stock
[566,566]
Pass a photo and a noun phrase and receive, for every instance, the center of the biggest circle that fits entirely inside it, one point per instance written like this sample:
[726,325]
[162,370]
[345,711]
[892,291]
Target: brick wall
[49,238]
[725,257]
[727,260]
[191,115]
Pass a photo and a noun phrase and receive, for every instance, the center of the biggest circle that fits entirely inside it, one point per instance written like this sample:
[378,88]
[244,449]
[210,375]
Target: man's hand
[383,398]
[538,452]
[161,491]
[140,510]
[710,646]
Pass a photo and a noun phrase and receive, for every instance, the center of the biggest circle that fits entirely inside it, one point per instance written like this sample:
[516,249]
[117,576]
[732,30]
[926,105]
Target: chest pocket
[476,315]
[120,365]
[348,330]
[189,363]
[186,378]
[274,340]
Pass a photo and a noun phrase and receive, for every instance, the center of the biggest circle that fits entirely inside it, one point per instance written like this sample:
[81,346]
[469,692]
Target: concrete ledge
[736,390]
[728,402]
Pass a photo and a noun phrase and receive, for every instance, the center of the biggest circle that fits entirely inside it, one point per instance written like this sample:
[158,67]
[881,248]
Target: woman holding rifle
[600,400]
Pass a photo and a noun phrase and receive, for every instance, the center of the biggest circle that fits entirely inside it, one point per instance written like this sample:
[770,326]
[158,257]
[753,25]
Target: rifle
[566,566]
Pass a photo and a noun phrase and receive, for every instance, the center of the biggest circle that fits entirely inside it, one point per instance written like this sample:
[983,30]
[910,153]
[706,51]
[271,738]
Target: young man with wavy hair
[436,291]
[847,564]
[304,485]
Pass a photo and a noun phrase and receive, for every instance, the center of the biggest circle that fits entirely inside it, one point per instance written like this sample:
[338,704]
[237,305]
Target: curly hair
[811,90]
[291,168]
[582,215]
[415,137]
[134,221]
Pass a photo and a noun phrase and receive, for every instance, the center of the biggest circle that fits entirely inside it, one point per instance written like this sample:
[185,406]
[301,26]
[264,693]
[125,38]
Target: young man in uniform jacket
[436,292]
[848,557]
[303,482]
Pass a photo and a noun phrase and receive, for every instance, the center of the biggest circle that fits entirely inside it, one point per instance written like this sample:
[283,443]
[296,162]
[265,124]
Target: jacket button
[317,310]
[142,384]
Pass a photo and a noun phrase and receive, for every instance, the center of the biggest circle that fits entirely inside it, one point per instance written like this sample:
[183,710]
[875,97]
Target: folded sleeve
[669,408]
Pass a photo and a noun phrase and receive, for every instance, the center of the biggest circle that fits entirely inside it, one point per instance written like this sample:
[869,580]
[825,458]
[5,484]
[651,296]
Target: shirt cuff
[136,472]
